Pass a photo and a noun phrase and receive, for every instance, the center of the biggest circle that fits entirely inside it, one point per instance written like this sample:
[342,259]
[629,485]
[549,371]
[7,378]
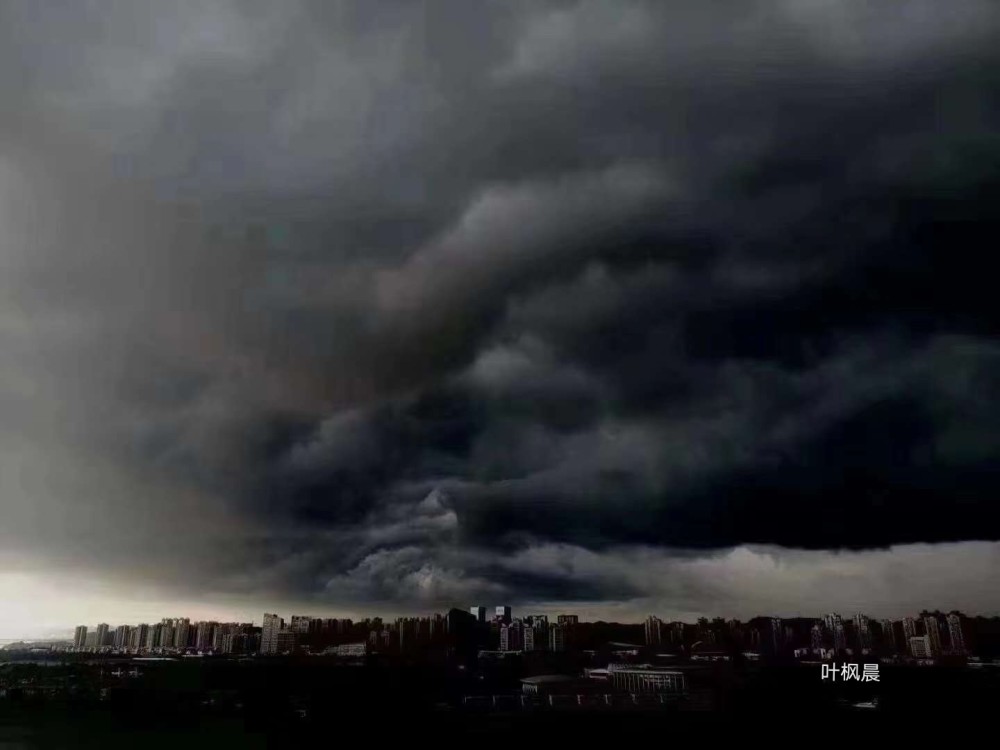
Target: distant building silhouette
[535,632]
[138,637]
[153,636]
[816,638]
[529,634]
[272,626]
[956,634]
[933,631]
[862,630]
[557,638]
[888,636]
[204,635]
[284,641]
[777,636]
[300,624]
[835,624]
[654,631]
[511,636]
[167,633]
[462,632]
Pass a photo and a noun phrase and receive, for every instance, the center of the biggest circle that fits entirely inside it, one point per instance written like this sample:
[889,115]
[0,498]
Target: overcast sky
[384,307]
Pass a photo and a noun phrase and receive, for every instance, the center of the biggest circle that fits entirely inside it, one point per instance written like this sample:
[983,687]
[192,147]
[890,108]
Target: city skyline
[610,305]
[491,616]
[930,635]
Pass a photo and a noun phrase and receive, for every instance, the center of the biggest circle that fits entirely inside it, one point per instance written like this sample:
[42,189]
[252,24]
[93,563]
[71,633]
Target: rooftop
[547,679]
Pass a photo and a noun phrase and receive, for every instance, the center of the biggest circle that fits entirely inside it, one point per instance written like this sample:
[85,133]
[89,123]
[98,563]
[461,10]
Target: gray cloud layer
[417,304]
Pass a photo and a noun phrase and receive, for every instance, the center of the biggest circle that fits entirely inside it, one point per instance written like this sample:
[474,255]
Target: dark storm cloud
[393,303]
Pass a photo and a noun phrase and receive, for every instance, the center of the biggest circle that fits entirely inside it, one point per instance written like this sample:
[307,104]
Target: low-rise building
[547,684]
[645,678]
[920,647]
[351,649]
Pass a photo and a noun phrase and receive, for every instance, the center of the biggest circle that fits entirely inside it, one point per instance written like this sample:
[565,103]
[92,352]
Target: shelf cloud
[386,305]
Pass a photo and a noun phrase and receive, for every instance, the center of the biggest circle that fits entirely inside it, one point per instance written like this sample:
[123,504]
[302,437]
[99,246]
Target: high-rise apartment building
[888,636]
[835,624]
[534,635]
[272,626]
[816,637]
[237,638]
[406,632]
[435,628]
[219,633]
[479,613]
[154,636]
[204,634]
[138,637]
[776,635]
[933,631]
[511,636]
[80,636]
[675,633]
[863,632]
[956,633]
[654,631]
[167,633]
[534,632]
[300,624]
[557,638]
[182,633]
[120,639]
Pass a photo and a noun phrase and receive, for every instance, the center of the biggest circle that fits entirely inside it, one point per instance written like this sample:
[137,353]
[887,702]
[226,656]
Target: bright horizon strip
[787,583]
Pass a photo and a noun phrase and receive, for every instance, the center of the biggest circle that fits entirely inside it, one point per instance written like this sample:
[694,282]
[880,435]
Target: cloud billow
[411,308]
